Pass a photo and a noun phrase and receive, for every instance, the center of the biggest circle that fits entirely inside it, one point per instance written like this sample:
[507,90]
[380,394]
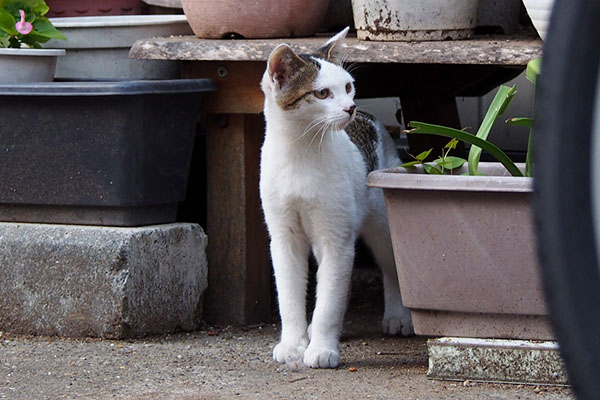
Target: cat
[317,152]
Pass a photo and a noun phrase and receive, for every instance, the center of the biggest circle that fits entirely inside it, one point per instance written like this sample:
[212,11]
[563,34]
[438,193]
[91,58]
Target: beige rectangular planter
[465,252]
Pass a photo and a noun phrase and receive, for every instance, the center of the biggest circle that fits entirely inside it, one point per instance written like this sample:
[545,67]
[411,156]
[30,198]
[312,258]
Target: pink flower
[23,26]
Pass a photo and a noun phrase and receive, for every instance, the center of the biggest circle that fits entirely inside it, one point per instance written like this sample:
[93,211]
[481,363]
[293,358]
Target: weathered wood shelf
[482,50]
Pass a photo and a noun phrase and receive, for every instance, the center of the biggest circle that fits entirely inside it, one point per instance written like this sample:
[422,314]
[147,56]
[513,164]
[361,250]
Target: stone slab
[496,360]
[109,282]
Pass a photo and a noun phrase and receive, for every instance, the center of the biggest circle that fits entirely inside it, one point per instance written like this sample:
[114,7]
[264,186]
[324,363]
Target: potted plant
[23,28]
[464,245]
[408,20]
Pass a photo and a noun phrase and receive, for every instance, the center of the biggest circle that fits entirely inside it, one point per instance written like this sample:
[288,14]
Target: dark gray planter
[100,153]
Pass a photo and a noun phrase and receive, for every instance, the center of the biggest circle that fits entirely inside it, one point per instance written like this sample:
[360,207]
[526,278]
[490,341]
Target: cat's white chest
[330,170]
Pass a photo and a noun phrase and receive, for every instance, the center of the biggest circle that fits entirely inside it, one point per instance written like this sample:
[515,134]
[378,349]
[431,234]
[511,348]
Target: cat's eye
[348,87]
[321,94]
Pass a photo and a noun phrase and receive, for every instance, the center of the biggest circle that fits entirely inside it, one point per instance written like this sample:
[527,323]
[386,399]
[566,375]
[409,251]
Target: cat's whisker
[321,128]
[352,67]
[313,124]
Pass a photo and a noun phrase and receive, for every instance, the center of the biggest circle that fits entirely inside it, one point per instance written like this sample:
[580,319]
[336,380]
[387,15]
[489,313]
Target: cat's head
[310,87]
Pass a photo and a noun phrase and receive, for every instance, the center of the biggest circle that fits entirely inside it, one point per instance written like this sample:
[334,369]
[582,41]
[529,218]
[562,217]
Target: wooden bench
[427,77]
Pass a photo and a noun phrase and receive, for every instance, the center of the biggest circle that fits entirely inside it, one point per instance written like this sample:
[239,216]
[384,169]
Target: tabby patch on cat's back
[363,134]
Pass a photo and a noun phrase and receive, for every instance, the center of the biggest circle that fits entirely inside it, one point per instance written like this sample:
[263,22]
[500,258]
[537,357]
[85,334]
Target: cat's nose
[350,110]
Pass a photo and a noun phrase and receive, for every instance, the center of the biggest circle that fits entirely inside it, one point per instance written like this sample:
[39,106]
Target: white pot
[408,20]
[99,46]
[539,11]
[28,65]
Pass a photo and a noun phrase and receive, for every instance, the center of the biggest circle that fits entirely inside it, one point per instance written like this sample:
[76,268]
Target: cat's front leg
[333,285]
[290,263]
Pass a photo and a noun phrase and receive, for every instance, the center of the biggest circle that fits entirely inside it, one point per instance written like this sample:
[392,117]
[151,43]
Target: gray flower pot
[408,20]
[98,46]
[465,252]
[28,65]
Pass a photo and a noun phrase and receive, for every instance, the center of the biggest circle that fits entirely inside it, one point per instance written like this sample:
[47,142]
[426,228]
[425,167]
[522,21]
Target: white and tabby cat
[315,159]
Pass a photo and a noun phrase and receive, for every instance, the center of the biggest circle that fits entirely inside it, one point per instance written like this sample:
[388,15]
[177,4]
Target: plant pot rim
[116,20]
[32,52]
[107,87]
[497,179]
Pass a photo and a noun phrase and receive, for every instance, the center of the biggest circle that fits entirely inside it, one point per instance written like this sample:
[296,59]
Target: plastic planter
[28,65]
[98,47]
[101,153]
[465,252]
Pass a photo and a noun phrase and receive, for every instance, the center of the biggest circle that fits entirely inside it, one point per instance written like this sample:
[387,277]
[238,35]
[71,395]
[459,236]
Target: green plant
[23,22]
[441,164]
[479,141]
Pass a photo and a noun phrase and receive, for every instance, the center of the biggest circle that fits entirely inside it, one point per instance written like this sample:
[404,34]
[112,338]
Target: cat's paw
[291,354]
[400,324]
[321,357]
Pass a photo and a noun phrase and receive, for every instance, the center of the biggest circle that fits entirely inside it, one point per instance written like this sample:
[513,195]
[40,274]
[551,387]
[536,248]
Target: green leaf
[451,144]
[450,162]
[431,129]
[503,97]
[43,29]
[422,156]
[7,22]
[431,169]
[521,121]
[533,69]
[410,164]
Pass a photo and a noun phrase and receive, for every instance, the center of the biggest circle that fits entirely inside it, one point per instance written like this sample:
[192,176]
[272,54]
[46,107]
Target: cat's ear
[282,64]
[331,50]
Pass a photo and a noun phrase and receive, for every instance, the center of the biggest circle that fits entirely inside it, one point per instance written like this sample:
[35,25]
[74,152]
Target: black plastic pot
[100,153]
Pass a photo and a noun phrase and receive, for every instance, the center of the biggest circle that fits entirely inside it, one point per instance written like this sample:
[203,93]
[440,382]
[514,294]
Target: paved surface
[231,363]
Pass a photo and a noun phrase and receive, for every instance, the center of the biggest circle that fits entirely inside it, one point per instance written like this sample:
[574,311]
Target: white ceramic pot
[98,47]
[408,20]
[539,11]
[28,65]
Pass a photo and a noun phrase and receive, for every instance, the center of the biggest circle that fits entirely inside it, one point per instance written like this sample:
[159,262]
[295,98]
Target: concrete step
[73,280]
[496,360]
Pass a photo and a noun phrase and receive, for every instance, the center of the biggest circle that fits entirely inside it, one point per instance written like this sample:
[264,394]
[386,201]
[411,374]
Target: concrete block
[496,360]
[72,280]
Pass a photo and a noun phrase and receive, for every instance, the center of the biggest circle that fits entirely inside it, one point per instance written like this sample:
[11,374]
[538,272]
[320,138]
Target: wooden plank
[239,277]
[238,85]
[516,49]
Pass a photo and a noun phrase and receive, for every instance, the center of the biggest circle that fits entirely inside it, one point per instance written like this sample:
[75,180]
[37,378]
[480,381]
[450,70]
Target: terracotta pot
[255,19]
[80,8]
[465,252]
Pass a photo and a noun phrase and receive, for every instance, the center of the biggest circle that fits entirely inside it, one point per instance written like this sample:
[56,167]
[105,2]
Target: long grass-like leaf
[431,129]
[503,97]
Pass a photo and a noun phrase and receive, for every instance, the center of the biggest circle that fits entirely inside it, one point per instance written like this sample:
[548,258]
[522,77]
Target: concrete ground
[231,363]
